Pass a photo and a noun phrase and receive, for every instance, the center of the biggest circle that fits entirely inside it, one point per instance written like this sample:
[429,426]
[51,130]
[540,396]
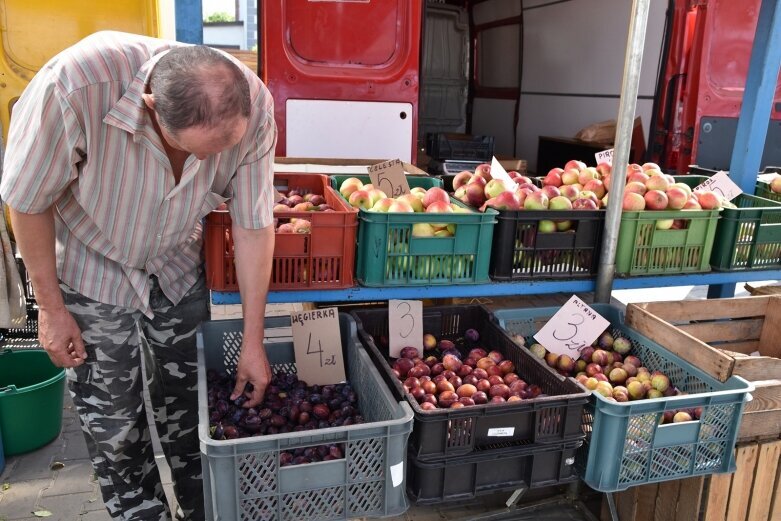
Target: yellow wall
[32,31]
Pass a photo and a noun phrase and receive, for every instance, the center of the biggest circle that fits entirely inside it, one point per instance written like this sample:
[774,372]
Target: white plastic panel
[349,129]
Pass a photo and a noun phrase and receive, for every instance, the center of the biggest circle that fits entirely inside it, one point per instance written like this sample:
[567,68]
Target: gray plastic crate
[242,478]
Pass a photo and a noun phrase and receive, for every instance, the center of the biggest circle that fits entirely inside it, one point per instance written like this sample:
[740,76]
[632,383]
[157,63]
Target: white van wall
[573,59]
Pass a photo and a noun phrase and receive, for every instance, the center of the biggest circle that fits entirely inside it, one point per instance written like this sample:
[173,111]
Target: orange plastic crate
[322,259]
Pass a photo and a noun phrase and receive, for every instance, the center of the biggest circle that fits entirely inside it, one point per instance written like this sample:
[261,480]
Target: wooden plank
[764,481]
[739,349]
[626,504]
[688,504]
[709,309]
[767,396]
[775,507]
[742,482]
[770,340]
[710,360]
[757,368]
[646,501]
[718,497]
[667,500]
[760,425]
[725,331]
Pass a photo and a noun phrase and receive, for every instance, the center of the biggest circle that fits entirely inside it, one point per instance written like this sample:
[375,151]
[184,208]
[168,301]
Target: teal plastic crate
[413,181]
[242,478]
[625,443]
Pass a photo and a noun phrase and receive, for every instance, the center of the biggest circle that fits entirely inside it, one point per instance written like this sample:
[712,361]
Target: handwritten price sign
[498,172]
[572,328]
[389,177]
[405,325]
[318,346]
[606,156]
[722,185]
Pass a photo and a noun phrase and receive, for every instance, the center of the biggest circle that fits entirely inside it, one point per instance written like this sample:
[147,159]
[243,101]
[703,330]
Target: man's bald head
[196,86]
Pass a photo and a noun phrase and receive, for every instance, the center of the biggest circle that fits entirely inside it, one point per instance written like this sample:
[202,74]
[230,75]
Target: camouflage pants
[107,392]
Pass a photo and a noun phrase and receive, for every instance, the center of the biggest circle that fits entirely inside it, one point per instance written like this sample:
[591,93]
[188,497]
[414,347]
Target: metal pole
[625,123]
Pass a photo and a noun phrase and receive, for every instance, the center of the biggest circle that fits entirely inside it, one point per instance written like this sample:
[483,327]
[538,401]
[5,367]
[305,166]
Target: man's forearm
[253,251]
[34,235]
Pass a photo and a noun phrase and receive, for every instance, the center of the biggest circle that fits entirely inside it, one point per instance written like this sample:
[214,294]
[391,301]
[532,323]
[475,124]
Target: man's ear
[149,100]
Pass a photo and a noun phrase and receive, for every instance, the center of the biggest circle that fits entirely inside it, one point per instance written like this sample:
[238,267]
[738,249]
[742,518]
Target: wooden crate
[752,493]
[725,337]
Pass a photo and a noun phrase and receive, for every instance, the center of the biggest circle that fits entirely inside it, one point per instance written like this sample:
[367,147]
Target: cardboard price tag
[606,156]
[722,185]
[318,346]
[572,328]
[389,177]
[405,325]
[498,172]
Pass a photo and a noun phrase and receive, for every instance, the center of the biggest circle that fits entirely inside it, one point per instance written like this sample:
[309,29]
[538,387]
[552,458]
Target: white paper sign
[722,185]
[389,177]
[606,156]
[501,431]
[405,325]
[498,172]
[572,328]
[397,474]
[318,346]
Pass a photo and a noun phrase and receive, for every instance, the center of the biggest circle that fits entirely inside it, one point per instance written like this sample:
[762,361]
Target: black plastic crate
[442,433]
[520,251]
[441,146]
[494,470]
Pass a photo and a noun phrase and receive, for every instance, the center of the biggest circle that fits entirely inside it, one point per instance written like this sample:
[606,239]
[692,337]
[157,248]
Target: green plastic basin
[31,394]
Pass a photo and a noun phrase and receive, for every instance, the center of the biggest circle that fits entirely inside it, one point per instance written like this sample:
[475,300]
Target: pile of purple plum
[289,405]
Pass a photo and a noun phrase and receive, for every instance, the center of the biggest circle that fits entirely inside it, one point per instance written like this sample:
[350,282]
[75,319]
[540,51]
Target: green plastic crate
[412,180]
[242,478]
[625,443]
[748,237]
[644,250]
[762,189]
[388,254]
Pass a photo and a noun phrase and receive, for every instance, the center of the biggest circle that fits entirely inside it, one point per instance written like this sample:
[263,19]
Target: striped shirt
[81,140]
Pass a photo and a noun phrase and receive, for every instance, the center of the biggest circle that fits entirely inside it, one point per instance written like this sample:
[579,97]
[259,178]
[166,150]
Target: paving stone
[20,499]
[75,476]
[34,465]
[75,447]
[96,515]
[67,506]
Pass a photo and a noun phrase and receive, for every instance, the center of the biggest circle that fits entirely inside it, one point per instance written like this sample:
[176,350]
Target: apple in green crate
[360,199]
[655,200]
[400,206]
[350,185]
[383,205]
[423,230]
[708,199]
[636,187]
[434,195]
[664,224]
[415,202]
[633,202]
[376,194]
[418,192]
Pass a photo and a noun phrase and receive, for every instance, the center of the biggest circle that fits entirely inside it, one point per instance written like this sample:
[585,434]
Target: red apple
[655,200]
